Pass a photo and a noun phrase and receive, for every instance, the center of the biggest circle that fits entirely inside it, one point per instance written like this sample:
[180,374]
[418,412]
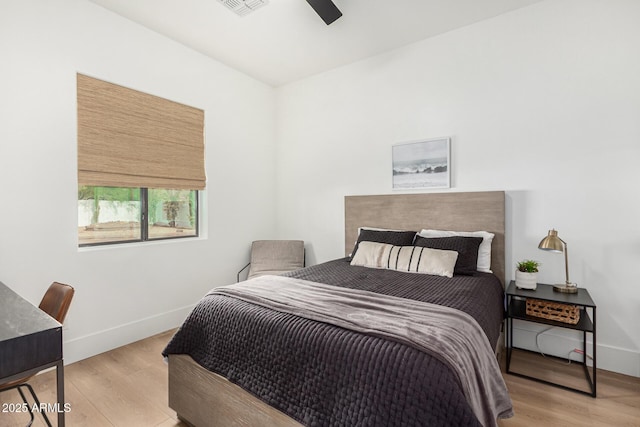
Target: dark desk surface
[30,341]
[29,338]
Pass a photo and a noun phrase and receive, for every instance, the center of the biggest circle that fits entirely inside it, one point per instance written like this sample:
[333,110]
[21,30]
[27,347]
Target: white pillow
[411,259]
[484,251]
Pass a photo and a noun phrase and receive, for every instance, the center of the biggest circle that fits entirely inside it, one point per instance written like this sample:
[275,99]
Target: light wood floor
[128,387]
[536,404]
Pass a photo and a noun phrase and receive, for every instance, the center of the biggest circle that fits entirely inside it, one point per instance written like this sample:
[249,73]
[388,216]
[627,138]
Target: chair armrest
[243,268]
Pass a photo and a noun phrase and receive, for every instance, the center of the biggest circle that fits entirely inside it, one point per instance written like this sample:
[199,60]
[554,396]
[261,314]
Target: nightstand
[516,309]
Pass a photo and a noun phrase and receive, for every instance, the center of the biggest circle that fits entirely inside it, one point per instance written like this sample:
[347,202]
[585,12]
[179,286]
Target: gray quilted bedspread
[323,375]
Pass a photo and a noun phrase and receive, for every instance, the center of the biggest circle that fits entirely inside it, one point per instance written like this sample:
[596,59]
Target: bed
[236,361]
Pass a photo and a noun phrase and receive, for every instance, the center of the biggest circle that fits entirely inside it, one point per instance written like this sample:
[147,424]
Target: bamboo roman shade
[128,138]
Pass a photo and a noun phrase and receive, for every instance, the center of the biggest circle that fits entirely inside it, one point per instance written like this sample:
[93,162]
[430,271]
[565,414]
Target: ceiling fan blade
[326,9]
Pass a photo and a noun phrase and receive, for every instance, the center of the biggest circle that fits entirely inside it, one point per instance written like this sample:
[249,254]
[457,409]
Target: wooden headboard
[441,211]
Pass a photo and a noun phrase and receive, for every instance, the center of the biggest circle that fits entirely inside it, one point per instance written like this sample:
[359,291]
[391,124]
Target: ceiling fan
[326,9]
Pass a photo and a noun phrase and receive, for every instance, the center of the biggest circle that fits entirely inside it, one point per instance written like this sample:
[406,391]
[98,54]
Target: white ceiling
[286,40]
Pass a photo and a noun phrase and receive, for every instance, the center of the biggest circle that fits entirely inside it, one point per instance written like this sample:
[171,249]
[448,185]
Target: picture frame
[423,164]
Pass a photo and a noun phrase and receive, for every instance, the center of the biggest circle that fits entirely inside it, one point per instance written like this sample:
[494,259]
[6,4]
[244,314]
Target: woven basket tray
[565,313]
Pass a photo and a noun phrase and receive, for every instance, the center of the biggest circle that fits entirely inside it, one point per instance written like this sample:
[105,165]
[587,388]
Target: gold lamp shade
[553,243]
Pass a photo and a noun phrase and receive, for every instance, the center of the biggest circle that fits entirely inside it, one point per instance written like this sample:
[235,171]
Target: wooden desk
[30,341]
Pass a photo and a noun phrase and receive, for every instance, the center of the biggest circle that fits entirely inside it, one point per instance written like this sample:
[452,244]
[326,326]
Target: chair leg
[26,402]
[35,398]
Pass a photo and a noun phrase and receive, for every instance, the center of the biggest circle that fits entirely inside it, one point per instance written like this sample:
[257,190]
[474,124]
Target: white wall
[543,103]
[128,292]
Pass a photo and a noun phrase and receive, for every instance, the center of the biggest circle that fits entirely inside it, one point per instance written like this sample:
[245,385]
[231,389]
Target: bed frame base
[202,398]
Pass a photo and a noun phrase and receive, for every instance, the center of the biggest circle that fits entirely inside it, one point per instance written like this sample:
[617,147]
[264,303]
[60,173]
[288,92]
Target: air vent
[243,7]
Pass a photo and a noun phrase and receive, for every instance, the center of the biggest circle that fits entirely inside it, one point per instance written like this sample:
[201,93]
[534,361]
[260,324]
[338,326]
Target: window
[117,214]
[140,165]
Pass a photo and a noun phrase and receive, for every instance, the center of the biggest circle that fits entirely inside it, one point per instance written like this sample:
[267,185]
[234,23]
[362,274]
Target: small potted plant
[527,274]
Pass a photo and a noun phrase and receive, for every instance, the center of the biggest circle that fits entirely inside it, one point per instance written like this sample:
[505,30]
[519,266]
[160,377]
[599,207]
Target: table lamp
[553,243]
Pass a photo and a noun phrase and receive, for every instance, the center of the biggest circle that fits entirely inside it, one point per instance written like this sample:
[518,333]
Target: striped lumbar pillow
[412,259]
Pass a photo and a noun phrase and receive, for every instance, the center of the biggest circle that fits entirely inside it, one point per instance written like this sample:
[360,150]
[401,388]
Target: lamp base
[566,288]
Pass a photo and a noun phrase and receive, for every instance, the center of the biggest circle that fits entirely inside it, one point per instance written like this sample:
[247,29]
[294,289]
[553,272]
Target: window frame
[144,223]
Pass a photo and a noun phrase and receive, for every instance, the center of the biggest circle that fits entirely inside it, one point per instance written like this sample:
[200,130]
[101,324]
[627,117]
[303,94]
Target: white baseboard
[98,342]
[559,342]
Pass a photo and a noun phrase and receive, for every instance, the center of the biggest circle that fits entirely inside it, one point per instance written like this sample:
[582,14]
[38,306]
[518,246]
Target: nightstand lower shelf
[552,370]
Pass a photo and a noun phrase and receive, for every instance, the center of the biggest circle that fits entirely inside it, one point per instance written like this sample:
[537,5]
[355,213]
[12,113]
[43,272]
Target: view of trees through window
[116,215]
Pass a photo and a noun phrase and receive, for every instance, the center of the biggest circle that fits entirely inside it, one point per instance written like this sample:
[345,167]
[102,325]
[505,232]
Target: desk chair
[55,303]
[274,257]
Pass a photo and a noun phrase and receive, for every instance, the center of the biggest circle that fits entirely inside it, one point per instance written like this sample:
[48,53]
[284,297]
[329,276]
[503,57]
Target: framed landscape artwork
[422,164]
